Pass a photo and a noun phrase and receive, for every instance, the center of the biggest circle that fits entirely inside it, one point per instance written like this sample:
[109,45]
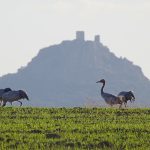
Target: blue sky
[29,25]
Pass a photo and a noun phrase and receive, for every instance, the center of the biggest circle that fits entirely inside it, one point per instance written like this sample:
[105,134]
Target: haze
[29,25]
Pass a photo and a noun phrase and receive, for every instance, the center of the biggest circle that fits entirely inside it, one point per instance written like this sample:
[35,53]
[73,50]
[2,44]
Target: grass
[74,128]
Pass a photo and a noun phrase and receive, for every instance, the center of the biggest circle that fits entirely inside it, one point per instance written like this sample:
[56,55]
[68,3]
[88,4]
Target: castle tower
[97,39]
[80,35]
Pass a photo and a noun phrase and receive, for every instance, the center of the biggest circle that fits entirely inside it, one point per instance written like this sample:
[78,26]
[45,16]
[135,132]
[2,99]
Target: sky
[26,26]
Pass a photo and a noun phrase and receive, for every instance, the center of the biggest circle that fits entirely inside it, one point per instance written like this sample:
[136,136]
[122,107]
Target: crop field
[74,128]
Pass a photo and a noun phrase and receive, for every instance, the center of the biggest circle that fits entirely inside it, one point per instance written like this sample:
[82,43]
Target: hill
[65,74]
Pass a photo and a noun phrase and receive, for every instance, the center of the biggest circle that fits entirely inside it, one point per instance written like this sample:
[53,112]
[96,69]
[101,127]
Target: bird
[12,96]
[109,98]
[2,91]
[128,96]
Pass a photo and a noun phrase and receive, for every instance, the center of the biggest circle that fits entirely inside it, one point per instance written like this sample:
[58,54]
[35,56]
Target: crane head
[132,95]
[101,81]
[23,94]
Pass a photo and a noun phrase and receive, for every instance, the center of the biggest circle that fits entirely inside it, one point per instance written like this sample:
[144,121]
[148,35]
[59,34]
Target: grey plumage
[12,96]
[109,98]
[128,96]
[2,91]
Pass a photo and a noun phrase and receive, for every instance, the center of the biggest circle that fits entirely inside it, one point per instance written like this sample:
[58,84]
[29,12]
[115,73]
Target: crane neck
[102,88]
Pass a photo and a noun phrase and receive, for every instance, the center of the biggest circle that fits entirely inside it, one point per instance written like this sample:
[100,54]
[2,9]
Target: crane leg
[111,105]
[20,103]
[120,106]
[125,104]
[4,104]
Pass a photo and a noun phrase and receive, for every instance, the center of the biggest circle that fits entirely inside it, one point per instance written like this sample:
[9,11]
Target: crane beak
[98,82]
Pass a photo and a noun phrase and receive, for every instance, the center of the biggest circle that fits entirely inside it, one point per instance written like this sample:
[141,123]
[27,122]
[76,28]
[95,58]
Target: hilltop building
[80,36]
[97,39]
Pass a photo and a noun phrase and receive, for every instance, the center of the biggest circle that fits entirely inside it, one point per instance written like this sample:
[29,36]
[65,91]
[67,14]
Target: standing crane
[109,98]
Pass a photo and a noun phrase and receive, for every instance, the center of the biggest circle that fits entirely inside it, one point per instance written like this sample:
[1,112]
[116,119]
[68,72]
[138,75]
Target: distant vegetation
[78,128]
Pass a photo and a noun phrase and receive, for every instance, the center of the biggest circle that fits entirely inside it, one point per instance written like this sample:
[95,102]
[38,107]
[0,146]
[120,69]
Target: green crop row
[74,128]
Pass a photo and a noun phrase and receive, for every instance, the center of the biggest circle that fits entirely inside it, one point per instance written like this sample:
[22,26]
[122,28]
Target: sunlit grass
[77,128]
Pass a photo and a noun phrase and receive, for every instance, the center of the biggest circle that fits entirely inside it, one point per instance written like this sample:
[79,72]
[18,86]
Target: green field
[74,128]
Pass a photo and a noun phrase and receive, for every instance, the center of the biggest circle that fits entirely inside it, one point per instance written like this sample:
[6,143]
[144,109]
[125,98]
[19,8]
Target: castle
[80,37]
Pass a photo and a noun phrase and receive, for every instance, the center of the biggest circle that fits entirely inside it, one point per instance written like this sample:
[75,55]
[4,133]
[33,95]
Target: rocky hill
[66,75]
